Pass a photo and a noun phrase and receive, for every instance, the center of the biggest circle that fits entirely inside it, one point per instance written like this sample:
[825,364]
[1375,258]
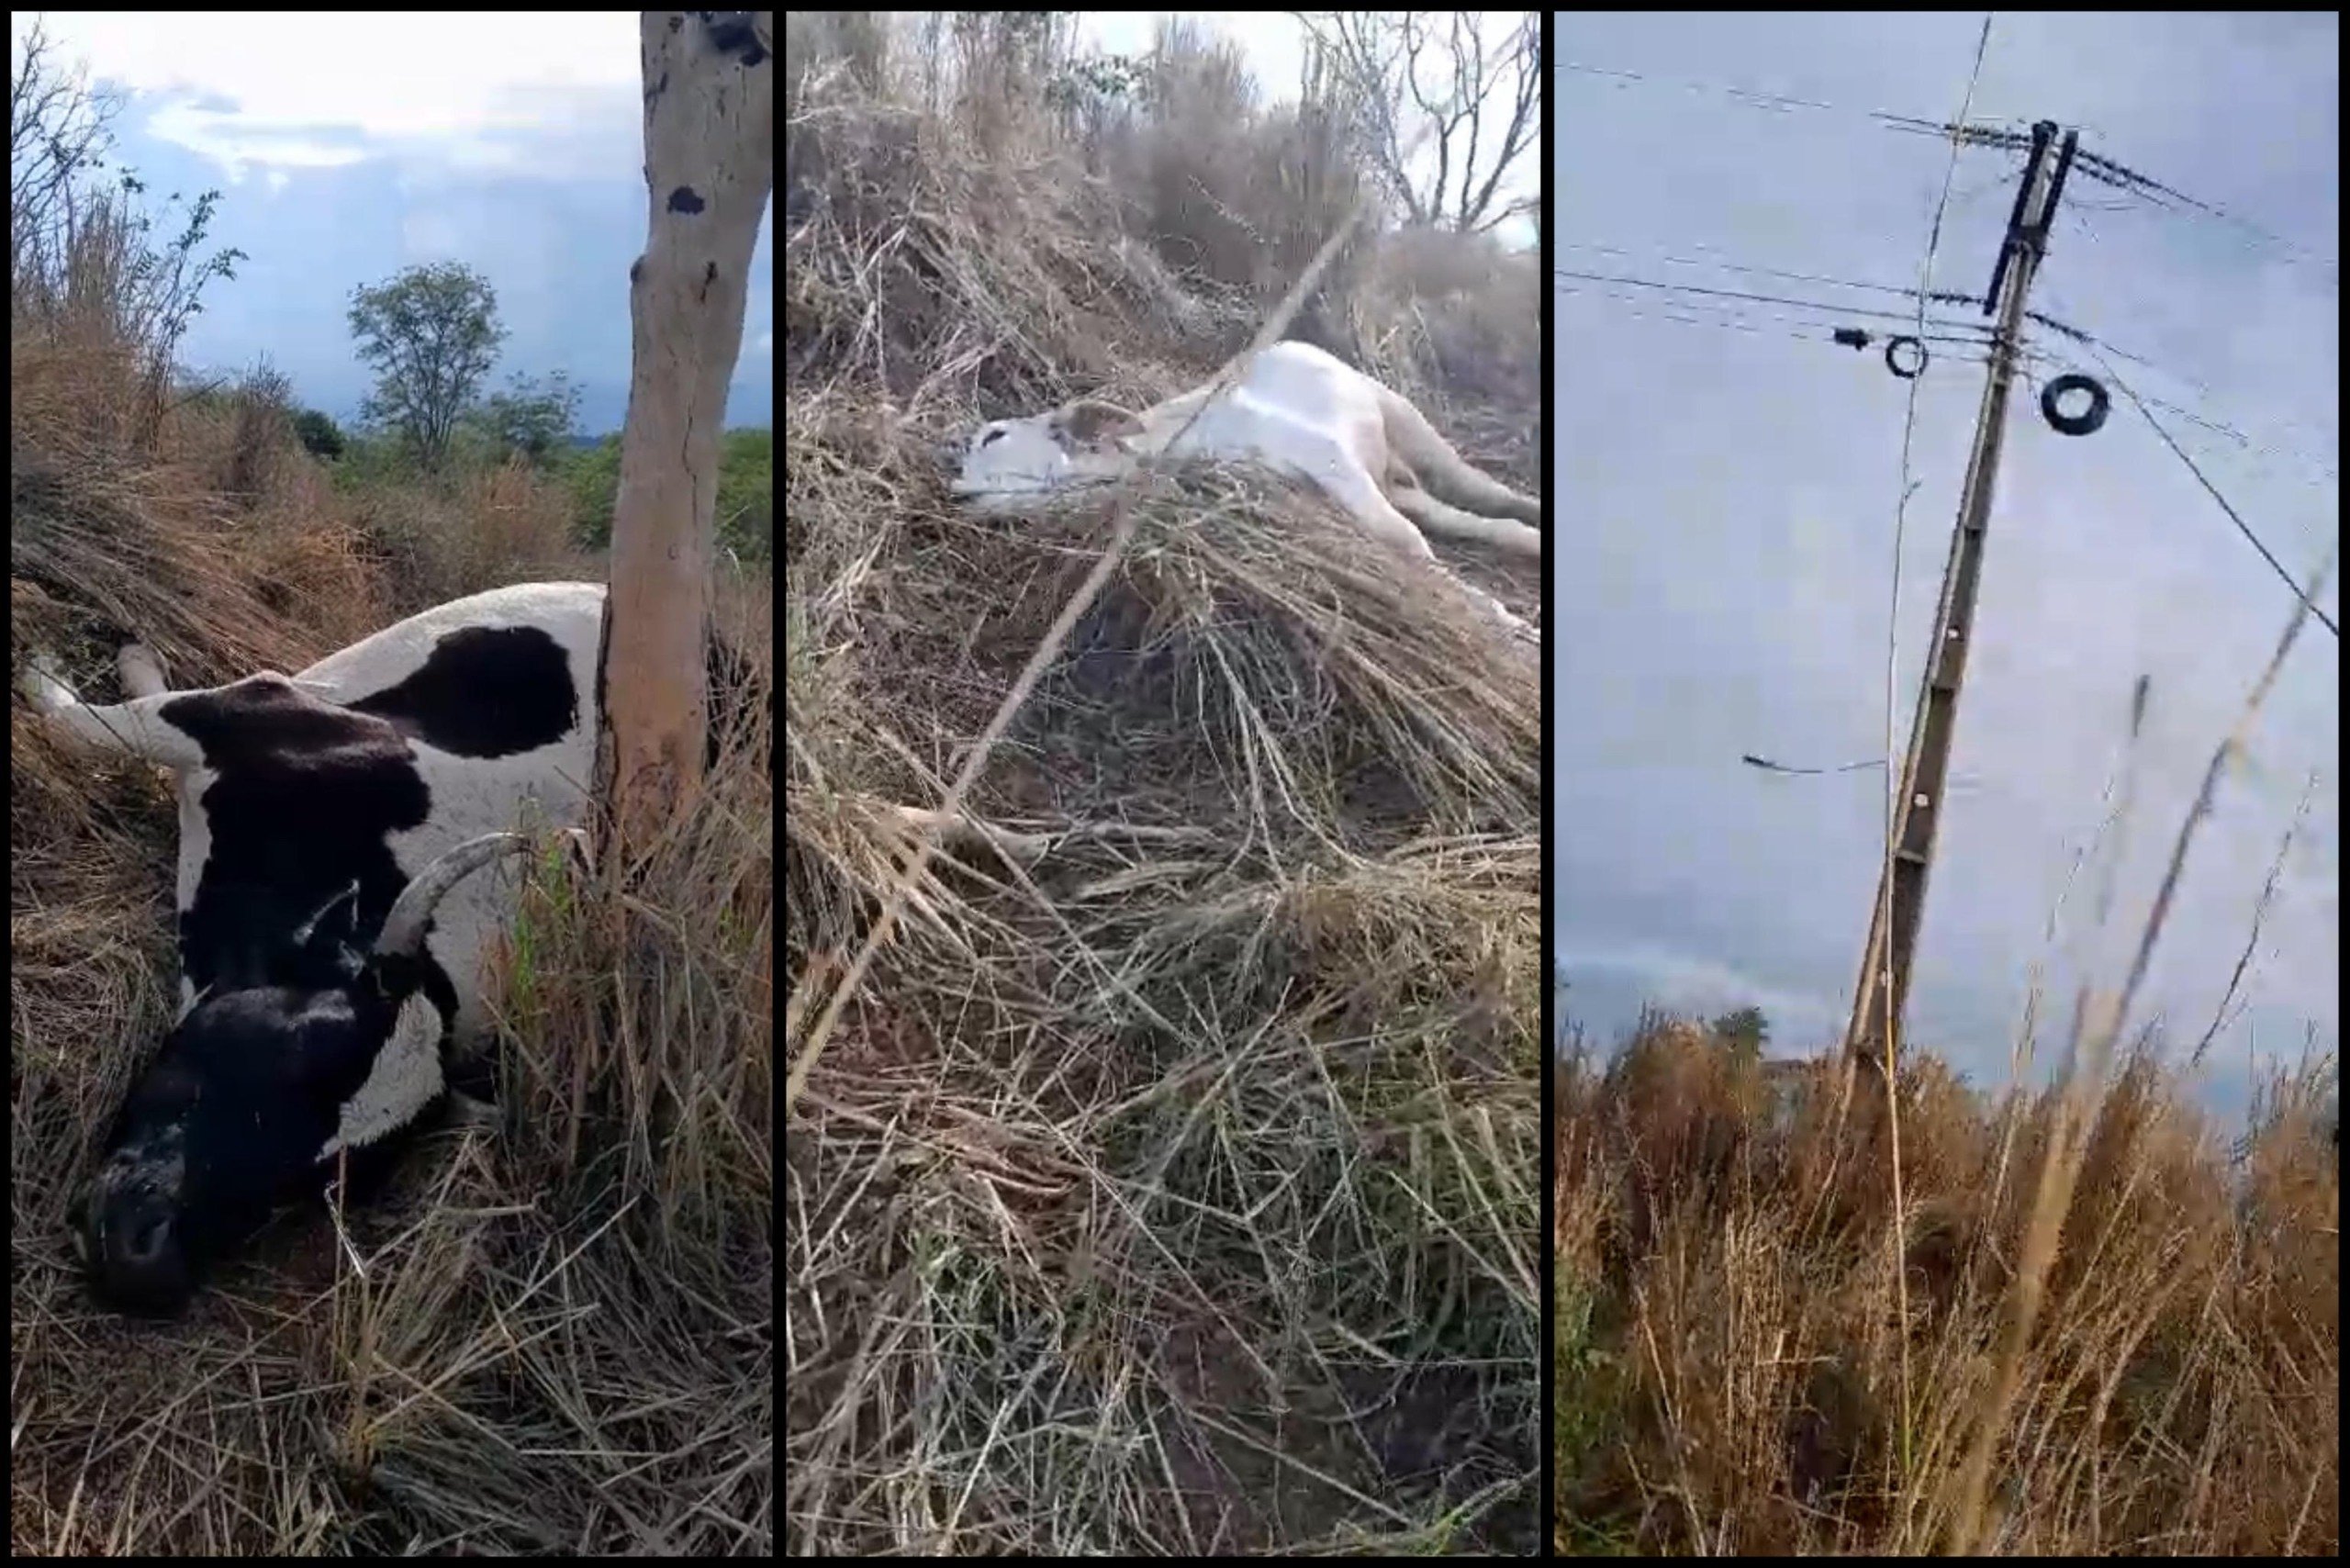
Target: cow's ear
[1090,421]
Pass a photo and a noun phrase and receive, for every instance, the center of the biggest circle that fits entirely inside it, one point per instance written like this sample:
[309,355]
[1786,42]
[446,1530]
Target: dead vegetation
[1168,1184]
[1736,1371]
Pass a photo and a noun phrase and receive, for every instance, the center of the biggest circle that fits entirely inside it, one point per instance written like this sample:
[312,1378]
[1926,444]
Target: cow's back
[1295,407]
[573,613]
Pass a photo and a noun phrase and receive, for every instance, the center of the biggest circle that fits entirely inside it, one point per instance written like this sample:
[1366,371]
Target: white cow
[1295,409]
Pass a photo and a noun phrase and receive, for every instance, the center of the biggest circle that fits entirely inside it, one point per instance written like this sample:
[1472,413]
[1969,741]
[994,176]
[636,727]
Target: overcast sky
[348,145]
[1723,513]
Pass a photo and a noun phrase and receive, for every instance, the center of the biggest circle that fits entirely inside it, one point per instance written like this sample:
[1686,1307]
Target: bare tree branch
[1378,56]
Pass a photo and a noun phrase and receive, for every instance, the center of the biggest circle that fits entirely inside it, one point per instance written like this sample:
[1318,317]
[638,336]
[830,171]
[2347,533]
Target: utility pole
[1883,986]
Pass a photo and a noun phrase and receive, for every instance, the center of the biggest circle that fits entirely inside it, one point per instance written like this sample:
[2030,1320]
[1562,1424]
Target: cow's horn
[403,933]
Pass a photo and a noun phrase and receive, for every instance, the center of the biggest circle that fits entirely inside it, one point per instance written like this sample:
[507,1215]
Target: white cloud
[1686,982]
[320,89]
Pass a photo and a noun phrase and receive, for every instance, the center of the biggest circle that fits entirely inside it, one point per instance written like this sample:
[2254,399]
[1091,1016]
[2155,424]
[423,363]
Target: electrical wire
[1957,783]
[1753,98]
[1941,297]
[1768,766]
[2142,189]
[1830,306]
[2278,450]
[2213,490]
[1979,337]
[2152,193]
[1793,328]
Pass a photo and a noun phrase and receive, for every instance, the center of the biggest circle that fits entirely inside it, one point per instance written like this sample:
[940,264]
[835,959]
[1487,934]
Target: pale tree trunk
[709,166]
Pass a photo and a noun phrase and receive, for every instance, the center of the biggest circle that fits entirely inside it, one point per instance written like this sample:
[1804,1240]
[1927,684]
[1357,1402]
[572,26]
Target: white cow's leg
[1442,469]
[1354,489]
[136,726]
[45,687]
[1435,517]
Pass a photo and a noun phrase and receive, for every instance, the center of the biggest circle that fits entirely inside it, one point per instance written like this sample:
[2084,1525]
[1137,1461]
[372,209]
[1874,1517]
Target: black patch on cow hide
[485,691]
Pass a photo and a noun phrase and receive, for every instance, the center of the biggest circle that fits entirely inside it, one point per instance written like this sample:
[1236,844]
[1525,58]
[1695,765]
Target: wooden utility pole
[1883,986]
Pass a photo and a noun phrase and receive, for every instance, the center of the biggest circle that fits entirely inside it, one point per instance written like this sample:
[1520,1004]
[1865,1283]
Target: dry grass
[2079,1324]
[1170,1182]
[552,1335]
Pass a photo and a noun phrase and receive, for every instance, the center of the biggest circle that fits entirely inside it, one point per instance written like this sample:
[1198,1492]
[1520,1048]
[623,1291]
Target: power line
[1753,98]
[2012,135]
[1768,766]
[2143,190]
[1830,305]
[1962,333]
[1794,328]
[2048,360]
[1788,328]
[1939,296]
[2153,193]
[2221,428]
[2217,427]
[2234,516]
[1960,133]
[1956,781]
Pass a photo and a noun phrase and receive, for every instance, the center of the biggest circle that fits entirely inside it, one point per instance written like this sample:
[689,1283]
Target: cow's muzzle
[132,1250]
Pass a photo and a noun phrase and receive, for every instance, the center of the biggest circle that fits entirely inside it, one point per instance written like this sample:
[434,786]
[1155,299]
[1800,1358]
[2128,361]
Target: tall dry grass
[1168,1184]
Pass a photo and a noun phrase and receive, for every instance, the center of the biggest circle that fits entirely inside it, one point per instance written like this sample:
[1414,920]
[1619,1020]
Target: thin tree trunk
[708,167]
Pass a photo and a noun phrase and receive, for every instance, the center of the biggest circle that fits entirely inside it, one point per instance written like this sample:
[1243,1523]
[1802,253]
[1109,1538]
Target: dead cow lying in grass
[334,906]
[1295,409]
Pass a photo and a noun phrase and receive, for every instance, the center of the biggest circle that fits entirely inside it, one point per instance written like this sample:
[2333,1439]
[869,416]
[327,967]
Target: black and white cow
[340,834]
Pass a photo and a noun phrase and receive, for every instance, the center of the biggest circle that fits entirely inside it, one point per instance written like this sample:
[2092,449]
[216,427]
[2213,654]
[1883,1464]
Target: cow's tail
[1443,472]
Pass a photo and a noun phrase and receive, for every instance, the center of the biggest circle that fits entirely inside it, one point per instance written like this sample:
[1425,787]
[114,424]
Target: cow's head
[1012,461]
[248,1091]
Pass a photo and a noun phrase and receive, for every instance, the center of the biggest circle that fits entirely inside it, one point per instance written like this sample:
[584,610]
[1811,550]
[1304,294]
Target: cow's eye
[988,437]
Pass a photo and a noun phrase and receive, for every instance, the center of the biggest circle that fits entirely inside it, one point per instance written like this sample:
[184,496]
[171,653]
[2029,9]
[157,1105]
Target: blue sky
[1724,506]
[348,145]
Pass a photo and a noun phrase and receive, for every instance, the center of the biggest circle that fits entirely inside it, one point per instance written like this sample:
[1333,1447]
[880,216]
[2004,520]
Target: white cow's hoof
[141,671]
